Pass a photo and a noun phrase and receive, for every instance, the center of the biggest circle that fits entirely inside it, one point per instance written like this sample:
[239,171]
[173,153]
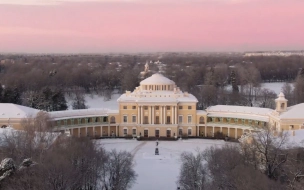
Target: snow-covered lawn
[275,86]
[157,171]
[96,101]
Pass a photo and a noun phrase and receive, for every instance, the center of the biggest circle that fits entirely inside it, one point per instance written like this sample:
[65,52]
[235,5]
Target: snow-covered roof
[298,138]
[294,112]
[201,112]
[240,116]
[8,110]
[239,109]
[157,79]
[157,96]
[67,114]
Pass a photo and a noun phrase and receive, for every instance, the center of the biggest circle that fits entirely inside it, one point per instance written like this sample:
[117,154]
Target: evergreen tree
[49,100]
[79,102]
[11,95]
[58,101]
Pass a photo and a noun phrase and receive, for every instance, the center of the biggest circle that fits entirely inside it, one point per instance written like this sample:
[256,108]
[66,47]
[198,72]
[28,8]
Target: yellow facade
[158,108]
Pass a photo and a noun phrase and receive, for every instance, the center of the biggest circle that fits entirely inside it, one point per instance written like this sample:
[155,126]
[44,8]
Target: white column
[205,131]
[116,132]
[141,114]
[235,133]
[78,132]
[153,115]
[212,131]
[138,115]
[86,132]
[165,110]
[161,114]
[172,115]
[175,114]
[197,131]
[72,132]
[150,114]
[93,131]
[109,132]
[228,131]
[221,130]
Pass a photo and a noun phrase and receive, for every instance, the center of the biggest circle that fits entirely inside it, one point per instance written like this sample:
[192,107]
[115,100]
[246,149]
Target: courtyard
[157,171]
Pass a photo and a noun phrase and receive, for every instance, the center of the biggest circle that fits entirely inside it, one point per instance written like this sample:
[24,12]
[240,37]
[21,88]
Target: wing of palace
[158,108]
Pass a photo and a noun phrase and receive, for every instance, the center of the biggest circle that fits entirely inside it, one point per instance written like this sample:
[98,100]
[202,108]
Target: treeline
[196,73]
[261,162]
[38,159]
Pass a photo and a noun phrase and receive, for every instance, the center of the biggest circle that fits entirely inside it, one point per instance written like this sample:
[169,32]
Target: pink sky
[150,25]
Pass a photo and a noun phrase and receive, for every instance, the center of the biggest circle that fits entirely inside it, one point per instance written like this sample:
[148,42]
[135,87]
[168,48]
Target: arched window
[202,120]
[113,119]
[105,119]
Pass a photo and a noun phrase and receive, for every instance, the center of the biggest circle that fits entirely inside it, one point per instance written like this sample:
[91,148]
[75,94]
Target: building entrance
[168,133]
[157,133]
[146,133]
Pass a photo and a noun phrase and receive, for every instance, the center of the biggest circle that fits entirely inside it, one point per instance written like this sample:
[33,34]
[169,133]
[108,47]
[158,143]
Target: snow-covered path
[157,171]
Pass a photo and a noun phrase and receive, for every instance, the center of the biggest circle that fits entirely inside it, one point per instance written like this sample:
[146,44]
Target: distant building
[158,108]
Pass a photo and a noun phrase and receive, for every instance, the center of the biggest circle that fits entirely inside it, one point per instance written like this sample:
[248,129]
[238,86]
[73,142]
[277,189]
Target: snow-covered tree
[193,173]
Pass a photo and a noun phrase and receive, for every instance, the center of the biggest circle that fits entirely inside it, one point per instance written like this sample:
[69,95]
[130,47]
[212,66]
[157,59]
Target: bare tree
[266,151]
[267,97]
[117,172]
[193,173]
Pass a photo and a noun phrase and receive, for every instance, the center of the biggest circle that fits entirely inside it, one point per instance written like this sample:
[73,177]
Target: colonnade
[95,130]
[152,114]
[229,131]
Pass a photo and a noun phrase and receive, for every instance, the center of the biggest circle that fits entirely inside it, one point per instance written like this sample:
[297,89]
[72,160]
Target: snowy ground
[275,86]
[157,171]
[96,101]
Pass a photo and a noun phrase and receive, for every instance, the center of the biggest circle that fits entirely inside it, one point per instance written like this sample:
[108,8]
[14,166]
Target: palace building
[158,108]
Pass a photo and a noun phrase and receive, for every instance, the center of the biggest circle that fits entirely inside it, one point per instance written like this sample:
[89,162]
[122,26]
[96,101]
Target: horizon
[137,26]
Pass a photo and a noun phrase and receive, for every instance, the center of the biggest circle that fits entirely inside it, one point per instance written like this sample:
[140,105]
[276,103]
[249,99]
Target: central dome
[157,79]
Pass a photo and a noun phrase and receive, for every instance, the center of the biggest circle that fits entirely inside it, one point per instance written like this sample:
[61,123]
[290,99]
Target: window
[168,119]
[180,131]
[134,107]
[146,120]
[156,107]
[133,118]
[168,108]
[189,132]
[189,107]
[134,131]
[125,107]
[180,119]
[125,119]
[282,106]
[125,131]
[157,120]
[180,107]
[105,119]
[189,119]
[112,119]
[145,107]
[202,120]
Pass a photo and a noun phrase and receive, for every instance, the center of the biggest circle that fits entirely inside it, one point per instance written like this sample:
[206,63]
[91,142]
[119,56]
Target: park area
[157,171]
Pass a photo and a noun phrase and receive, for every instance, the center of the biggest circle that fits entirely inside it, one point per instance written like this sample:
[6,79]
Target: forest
[43,81]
